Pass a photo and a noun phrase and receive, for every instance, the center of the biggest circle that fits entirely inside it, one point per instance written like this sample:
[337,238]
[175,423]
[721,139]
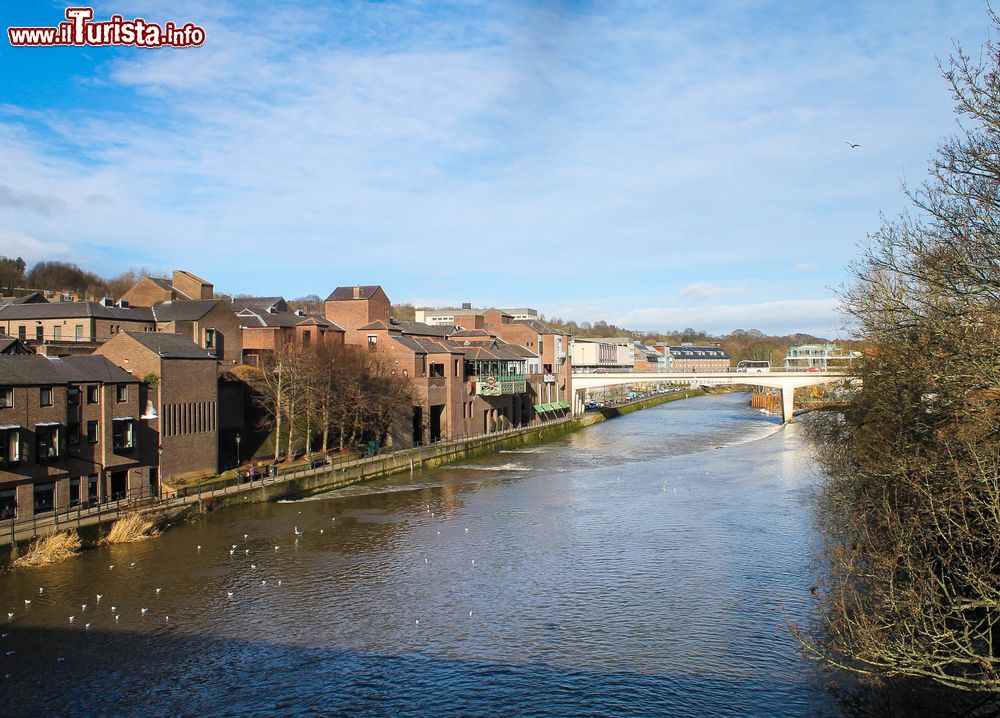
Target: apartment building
[692,358]
[267,323]
[819,356]
[354,307]
[69,434]
[181,286]
[180,400]
[72,322]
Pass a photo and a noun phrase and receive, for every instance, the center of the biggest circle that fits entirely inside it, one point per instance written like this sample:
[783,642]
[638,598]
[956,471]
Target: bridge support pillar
[787,403]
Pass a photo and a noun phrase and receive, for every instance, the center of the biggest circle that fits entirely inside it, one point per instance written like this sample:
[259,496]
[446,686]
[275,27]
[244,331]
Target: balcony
[504,385]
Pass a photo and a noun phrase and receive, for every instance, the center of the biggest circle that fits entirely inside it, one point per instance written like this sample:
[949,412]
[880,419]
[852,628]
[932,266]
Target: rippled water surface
[644,566]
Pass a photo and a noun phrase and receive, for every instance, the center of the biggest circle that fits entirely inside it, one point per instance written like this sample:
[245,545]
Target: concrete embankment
[310,481]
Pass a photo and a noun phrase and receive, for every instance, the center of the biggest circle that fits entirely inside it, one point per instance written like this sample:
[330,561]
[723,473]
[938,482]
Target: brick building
[689,357]
[72,322]
[182,285]
[267,322]
[69,434]
[179,400]
[209,323]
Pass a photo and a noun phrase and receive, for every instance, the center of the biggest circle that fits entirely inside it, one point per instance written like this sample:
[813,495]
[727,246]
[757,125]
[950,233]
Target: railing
[19,530]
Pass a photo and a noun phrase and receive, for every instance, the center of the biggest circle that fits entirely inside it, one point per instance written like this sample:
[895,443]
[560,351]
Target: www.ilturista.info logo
[80,29]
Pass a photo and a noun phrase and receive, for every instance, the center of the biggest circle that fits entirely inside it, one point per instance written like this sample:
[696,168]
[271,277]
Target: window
[73,396]
[122,434]
[112,329]
[92,394]
[10,446]
[209,338]
[92,432]
[92,488]
[22,332]
[73,434]
[8,504]
[39,333]
[541,346]
[46,443]
[78,333]
[46,396]
[437,369]
[121,393]
[372,342]
[74,492]
[44,497]
[6,397]
[305,337]
[57,332]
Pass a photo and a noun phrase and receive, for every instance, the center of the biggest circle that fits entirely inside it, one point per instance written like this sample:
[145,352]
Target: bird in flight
[852,145]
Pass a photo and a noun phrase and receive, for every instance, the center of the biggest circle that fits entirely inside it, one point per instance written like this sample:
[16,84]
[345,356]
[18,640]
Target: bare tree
[911,507]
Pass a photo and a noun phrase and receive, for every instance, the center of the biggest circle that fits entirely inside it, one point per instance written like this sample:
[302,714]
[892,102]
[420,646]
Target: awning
[564,404]
[48,423]
[539,408]
[548,407]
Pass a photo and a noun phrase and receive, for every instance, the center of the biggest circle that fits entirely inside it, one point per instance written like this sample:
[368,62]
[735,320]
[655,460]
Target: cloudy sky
[652,164]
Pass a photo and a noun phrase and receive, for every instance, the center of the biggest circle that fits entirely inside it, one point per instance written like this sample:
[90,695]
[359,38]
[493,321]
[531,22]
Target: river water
[644,566]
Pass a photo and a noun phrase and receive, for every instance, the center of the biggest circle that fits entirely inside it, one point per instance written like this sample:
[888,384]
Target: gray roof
[344,293]
[170,346]
[422,329]
[537,326]
[94,368]
[260,303]
[186,310]
[74,310]
[32,369]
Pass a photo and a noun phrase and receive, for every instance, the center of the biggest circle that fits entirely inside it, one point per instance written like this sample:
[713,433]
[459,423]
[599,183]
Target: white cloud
[13,244]
[707,291]
[805,267]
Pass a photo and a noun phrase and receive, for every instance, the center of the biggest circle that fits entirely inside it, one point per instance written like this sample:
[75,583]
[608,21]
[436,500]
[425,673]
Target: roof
[186,310]
[94,368]
[12,345]
[537,326]
[170,346]
[161,282]
[648,351]
[379,325]
[32,369]
[426,345]
[470,333]
[75,310]
[261,303]
[341,294]
[422,329]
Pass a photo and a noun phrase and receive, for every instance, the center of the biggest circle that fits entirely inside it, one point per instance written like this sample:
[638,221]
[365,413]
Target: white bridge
[786,381]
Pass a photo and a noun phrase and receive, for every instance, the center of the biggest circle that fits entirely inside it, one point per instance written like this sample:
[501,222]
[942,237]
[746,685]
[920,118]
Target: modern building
[603,355]
[818,356]
[691,358]
[182,285]
[69,434]
[55,323]
[354,307]
[646,358]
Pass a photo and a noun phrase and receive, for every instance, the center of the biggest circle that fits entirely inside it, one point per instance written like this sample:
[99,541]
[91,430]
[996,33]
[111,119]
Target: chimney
[466,305]
[357,292]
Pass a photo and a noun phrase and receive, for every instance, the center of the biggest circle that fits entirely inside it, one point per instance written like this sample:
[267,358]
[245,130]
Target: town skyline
[652,168]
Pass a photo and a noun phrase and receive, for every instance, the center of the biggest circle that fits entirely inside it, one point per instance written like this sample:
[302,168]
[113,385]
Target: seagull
[132,565]
[418,622]
[253,567]
[71,618]
[113,609]
[117,617]
[86,626]
[167,619]
[27,602]
[234,547]
[264,582]
[852,145]
[466,530]
[246,552]
[470,614]
[277,547]
[229,594]
[246,536]
[279,581]
[41,590]
[83,607]
[99,597]
[144,611]
[199,547]
[158,590]
[297,532]
[10,615]
[321,530]
[111,567]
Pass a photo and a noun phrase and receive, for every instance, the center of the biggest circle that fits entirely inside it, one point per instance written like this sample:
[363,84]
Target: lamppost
[238,440]
[159,464]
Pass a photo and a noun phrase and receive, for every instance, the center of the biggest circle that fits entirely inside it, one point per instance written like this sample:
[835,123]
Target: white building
[611,355]
[819,356]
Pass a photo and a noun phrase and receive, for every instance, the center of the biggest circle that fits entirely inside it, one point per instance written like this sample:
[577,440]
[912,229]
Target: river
[640,567]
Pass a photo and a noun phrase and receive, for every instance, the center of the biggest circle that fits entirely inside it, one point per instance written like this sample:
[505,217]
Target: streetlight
[159,465]
[238,440]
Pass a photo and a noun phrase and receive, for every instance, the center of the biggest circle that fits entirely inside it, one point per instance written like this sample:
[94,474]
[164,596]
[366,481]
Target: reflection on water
[632,568]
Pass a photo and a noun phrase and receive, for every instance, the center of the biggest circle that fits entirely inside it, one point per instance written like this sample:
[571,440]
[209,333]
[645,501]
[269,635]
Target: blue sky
[654,164]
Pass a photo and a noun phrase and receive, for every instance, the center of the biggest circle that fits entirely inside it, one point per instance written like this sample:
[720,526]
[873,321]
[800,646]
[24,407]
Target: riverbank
[93,527]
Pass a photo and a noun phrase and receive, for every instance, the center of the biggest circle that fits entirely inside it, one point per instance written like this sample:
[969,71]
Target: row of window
[72,395]
[83,489]
[22,333]
[48,440]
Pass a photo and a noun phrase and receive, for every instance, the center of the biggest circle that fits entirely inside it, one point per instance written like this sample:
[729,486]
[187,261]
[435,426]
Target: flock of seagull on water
[229,594]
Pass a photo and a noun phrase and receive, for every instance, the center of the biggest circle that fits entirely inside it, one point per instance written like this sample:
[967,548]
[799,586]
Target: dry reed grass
[129,528]
[50,549]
